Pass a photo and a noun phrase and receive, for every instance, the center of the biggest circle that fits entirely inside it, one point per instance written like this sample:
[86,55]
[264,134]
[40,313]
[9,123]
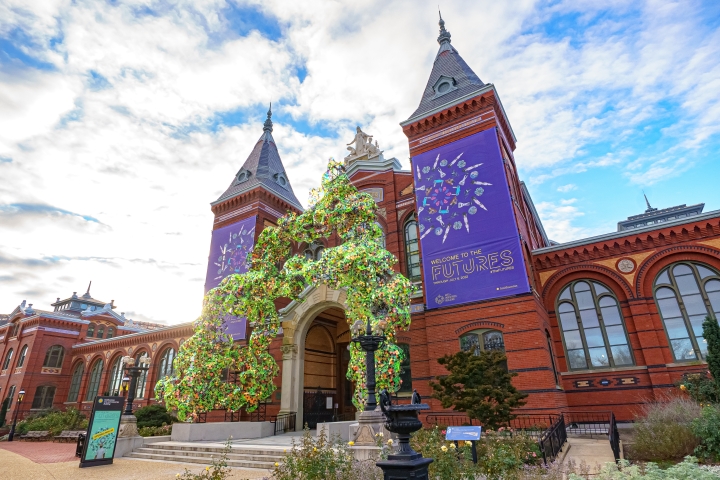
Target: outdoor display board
[463,433]
[229,248]
[469,239]
[102,432]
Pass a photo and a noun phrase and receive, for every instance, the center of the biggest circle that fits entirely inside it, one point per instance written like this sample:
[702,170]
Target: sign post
[468,434]
[102,433]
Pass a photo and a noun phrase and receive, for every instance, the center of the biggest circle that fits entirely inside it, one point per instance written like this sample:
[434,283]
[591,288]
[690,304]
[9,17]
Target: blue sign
[463,433]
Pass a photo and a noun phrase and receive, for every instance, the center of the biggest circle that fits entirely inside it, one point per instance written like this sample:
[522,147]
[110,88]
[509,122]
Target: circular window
[282,181]
[443,87]
[242,176]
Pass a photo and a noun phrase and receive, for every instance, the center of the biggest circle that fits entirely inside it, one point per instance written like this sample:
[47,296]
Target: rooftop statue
[363,146]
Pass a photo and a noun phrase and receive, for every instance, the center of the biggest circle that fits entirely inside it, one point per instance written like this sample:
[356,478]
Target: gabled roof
[448,63]
[264,169]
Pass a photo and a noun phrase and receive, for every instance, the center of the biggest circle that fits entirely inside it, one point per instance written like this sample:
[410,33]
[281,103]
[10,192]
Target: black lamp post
[134,373]
[370,343]
[21,395]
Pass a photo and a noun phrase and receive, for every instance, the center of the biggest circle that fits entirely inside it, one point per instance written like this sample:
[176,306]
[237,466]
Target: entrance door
[315,407]
[320,379]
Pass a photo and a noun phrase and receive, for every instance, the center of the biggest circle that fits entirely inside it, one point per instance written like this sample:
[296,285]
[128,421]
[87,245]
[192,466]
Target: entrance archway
[315,358]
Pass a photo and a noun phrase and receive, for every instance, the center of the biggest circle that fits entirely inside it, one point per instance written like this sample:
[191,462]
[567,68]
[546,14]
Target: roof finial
[89,285]
[444,34]
[647,202]
[268,126]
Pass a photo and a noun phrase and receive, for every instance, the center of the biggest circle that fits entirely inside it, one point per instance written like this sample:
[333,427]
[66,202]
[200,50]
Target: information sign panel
[102,433]
[463,433]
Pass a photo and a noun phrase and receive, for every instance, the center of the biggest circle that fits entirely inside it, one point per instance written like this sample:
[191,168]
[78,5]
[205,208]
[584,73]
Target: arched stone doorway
[315,357]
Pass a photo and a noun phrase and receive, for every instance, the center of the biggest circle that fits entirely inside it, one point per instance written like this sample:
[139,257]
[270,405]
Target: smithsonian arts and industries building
[603,323]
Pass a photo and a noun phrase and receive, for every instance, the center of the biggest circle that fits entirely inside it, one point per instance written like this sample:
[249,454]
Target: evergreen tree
[480,386]
[711,333]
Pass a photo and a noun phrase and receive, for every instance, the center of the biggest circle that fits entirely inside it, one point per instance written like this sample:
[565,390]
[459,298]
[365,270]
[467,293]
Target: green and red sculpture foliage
[359,264]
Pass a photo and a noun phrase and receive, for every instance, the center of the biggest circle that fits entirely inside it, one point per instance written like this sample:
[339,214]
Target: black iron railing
[594,424]
[551,440]
[231,416]
[450,419]
[285,422]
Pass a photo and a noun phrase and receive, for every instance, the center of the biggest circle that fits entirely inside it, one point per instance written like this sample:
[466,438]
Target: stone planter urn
[403,420]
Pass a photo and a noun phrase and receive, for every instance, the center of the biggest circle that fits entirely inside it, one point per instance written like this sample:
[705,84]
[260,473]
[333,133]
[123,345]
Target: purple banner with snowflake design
[470,243]
[229,248]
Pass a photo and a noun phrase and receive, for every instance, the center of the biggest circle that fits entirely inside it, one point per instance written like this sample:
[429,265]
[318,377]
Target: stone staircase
[203,454]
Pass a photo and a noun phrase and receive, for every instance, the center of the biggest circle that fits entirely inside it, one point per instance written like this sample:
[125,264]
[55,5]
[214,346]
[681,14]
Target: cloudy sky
[120,121]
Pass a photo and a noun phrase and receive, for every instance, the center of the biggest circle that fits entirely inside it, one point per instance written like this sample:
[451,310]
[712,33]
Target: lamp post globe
[21,395]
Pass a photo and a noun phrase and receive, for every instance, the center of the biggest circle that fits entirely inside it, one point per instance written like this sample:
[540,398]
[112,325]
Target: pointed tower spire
[444,34]
[87,294]
[268,125]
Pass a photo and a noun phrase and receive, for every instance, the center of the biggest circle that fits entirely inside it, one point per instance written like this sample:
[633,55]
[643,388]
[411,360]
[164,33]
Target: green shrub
[3,411]
[707,428]
[155,431]
[701,387]
[663,431]
[322,458]
[153,416]
[500,454]
[53,421]
[687,470]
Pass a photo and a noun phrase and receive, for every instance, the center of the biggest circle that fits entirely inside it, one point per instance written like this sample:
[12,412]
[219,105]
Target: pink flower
[443,432]
[534,454]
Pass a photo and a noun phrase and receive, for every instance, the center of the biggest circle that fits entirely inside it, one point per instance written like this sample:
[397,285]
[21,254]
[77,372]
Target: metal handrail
[284,422]
[551,441]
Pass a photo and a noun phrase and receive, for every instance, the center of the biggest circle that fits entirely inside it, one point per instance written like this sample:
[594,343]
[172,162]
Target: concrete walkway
[14,466]
[593,452]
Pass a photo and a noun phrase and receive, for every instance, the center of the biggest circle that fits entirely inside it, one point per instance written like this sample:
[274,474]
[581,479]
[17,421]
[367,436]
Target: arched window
[686,293]
[11,394]
[94,381]
[142,379]
[165,367]
[116,376]
[110,332]
[101,331]
[75,382]
[8,358]
[91,330]
[319,253]
[54,357]
[412,250]
[592,326]
[405,373]
[482,340]
[23,354]
[44,396]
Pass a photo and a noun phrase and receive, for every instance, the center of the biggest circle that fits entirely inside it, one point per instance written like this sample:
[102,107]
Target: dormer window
[281,179]
[243,176]
[444,85]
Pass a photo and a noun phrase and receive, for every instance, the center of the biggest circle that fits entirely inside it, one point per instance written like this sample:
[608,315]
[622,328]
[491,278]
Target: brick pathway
[42,452]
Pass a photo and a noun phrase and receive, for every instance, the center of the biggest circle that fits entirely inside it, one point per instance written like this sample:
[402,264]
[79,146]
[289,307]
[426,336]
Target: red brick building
[609,322]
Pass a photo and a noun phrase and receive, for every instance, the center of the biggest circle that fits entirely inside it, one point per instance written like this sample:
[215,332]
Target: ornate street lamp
[124,385]
[21,395]
[134,372]
[370,343]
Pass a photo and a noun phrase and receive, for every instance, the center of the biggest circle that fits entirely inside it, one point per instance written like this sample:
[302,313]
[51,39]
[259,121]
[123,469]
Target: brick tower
[477,227]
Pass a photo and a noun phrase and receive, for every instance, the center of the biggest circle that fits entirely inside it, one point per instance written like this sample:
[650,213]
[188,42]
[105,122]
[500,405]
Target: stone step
[207,460]
[214,449]
[233,454]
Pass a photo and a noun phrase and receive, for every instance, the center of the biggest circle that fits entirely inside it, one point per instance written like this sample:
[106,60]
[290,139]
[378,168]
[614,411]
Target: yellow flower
[207,469]
[351,443]
[443,448]
[390,442]
[277,464]
[314,449]
[683,387]
[452,445]
[468,443]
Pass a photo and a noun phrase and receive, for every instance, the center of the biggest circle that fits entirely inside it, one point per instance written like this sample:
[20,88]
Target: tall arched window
[110,333]
[116,376]
[94,381]
[54,357]
[405,373]
[75,382]
[165,367]
[142,379]
[91,330]
[44,396]
[23,354]
[8,358]
[101,331]
[592,326]
[412,250]
[11,394]
[686,293]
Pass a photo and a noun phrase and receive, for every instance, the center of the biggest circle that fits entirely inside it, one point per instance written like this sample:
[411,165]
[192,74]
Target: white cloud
[121,127]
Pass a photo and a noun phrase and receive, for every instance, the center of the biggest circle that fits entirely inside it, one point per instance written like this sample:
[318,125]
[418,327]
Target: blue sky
[121,120]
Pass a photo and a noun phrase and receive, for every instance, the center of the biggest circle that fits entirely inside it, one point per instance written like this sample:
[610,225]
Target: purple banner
[229,249]
[470,243]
